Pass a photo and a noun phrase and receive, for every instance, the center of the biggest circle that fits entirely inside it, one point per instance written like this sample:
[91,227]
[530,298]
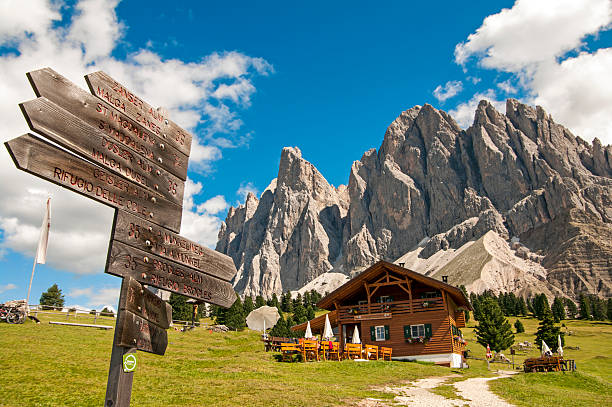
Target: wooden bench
[371,352]
[385,353]
[310,350]
[330,352]
[288,350]
[352,351]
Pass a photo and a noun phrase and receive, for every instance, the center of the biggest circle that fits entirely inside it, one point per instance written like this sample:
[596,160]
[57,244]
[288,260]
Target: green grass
[47,365]
[447,391]
[590,385]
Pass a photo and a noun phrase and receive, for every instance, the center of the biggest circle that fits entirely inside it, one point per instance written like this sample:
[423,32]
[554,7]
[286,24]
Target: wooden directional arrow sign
[151,238]
[142,302]
[48,119]
[111,119]
[136,332]
[156,271]
[46,161]
[106,88]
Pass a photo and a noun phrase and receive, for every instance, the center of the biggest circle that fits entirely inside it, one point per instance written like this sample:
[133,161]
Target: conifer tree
[181,310]
[585,307]
[259,301]
[466,313]
[280,329]
[286,304]
[310,314]
[291,322]
[518,325]
[558,309]
[548,332]
[234,317]
[540,306]
[572,310]
[273,301]
[299,313]
[598,308]
[248,305]
[53,297]
[493,329]
[522,307]
[609,310]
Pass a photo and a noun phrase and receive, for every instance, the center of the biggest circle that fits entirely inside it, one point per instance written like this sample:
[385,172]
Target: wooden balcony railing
[395,307]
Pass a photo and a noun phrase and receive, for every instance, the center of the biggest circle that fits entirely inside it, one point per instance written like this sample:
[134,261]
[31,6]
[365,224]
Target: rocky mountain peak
[517,174]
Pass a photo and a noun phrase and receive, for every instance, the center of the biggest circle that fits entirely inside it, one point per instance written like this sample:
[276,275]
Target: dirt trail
[475,392]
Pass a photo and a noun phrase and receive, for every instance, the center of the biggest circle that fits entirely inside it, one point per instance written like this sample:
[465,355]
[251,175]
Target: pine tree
[291,322]
[259,301]
[609,313]
[107,312]
[234,317]
[572,310]
[540,306]
[522,307]
[558,309]
[493,329]
[286,304]
[248,305]
[297,300]
[598,308]
[280,329]
[310,314]
[475,300]
[53,297]
[518,325]
[585,307]
[548,332]
[273,302]
[181,310]
[299,313]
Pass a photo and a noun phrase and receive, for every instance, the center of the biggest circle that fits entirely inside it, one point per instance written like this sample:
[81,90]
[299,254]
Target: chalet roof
[318,324]
[356,284]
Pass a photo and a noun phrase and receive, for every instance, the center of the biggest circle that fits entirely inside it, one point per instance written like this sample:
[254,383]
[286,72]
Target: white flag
[41,252]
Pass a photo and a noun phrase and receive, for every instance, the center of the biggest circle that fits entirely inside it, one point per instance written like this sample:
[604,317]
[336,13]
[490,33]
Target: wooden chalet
[418,316]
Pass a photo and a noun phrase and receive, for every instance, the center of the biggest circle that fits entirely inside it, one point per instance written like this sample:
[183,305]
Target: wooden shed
[418,316]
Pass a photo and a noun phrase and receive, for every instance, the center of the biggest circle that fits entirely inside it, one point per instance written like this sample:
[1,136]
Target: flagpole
[42,243]
[30,286]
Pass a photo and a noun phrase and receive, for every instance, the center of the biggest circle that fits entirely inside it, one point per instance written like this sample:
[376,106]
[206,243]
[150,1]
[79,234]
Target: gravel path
[475,391]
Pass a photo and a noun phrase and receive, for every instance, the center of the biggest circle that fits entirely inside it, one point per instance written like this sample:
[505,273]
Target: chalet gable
[386,281]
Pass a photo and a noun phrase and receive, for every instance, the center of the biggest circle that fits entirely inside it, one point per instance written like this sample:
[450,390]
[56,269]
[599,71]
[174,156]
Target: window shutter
[373,333]
[386,332]
[428,330]
[407,332]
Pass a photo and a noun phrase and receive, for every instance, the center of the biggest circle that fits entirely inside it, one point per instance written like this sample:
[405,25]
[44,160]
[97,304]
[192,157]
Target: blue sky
[251,78]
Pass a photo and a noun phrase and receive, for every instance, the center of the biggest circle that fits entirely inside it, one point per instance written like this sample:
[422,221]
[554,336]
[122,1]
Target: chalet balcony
[386,309]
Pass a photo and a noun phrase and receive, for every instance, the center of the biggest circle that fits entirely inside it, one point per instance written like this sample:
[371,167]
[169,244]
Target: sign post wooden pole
[119,383]
[134,159]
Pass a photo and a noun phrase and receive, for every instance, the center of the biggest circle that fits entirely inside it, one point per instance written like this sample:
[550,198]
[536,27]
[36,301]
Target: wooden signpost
[133,158]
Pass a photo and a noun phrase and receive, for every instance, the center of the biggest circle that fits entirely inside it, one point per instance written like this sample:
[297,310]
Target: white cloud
[96,298]
[198,223]
[213,206]
[506,86]
[450,89]
[7,287]
[202,96]
[542,42]
[533,31]
[464,112]
[244,190]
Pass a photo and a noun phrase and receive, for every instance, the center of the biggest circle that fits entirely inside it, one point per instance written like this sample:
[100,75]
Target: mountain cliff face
[438,187]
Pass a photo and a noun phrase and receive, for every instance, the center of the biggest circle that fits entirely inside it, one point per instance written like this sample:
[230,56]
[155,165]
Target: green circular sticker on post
[129,362]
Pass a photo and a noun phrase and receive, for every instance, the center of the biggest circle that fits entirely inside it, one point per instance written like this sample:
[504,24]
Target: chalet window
[379,333]
[431,294]
[417,331]
[385,298]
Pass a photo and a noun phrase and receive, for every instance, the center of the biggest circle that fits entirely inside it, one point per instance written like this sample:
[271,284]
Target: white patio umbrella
[327,331]
[308,333]
[262,318]
[356,338]
[559,349]
[545,349]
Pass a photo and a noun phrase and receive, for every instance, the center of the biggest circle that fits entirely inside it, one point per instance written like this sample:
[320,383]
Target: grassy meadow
[590,385]
[48,365]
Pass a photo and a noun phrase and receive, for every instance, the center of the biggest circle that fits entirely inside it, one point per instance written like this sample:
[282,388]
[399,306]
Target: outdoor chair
[371,352]
[334,352]
[310,350]
[352,351]
[288,350]
[385,353]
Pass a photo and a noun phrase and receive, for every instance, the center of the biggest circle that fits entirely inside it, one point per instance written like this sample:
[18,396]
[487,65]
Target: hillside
[434,187]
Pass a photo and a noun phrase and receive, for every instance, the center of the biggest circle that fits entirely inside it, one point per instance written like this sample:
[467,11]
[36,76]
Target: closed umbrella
[262,318]
[327,331]
[545,349]
[356,338]
[559,349]
[308,333]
